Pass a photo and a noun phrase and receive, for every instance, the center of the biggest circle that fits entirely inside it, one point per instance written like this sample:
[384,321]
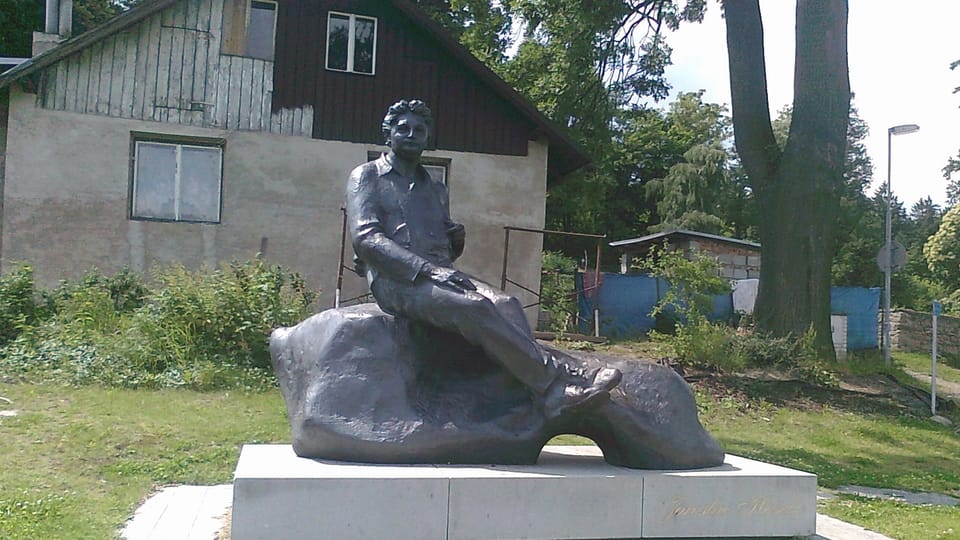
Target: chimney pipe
[66,17]
[52,17]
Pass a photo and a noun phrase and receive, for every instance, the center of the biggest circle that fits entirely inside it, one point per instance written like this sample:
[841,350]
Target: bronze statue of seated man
[400,227]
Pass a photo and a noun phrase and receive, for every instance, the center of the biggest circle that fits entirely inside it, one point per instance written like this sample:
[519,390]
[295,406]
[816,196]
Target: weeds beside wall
[197,329]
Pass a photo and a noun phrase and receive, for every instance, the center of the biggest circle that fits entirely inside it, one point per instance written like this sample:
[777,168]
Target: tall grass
[199,329]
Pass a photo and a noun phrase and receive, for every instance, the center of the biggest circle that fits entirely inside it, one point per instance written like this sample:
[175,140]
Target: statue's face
[408,135]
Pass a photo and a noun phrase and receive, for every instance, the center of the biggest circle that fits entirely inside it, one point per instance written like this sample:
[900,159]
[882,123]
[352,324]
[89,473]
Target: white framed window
[351,43]
[261,30]
[176,178]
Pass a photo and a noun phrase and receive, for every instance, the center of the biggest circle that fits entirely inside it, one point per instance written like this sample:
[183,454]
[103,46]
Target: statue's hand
[448,277]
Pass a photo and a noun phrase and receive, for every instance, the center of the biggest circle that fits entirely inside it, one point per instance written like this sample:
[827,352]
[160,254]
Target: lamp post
[888,238]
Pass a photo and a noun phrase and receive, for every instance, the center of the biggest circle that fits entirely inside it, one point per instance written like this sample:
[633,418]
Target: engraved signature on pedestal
[717,508]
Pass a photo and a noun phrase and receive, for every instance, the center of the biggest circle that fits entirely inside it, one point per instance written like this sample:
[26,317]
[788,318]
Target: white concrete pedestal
[570,494]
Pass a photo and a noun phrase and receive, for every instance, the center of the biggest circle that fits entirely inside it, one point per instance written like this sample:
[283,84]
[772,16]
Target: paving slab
[829,528]
[182,513]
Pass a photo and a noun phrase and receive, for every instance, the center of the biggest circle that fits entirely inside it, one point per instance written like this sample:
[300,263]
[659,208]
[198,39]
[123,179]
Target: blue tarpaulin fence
[860,305]
[627,299]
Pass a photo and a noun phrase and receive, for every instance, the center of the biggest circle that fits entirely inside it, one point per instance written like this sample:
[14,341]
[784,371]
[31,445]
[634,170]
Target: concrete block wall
[912,331]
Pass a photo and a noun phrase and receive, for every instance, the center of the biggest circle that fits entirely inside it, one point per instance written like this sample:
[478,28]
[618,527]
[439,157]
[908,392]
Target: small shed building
[738,259]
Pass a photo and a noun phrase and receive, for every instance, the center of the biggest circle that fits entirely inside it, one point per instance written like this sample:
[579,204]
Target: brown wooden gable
[470,116]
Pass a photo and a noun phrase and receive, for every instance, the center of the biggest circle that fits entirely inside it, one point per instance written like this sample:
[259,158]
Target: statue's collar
[385,166]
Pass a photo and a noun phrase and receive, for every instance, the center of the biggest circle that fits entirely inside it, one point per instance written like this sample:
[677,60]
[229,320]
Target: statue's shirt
[398,223]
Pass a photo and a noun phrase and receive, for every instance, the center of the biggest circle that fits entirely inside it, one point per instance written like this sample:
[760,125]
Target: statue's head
[407,127]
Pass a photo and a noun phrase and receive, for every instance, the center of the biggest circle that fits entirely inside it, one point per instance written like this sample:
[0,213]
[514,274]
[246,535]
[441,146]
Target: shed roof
[565,156]
[643,241]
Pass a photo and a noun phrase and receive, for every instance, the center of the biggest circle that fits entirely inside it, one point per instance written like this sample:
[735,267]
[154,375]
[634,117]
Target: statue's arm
[370,243]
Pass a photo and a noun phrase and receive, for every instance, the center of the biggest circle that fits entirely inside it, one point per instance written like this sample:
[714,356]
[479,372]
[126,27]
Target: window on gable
[261,30]
[176,179]
[249,28]
[351,43]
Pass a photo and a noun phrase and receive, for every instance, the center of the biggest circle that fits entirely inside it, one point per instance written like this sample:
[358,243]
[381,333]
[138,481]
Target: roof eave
[643,240]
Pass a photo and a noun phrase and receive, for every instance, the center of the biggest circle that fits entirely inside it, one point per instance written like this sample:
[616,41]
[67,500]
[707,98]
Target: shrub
[125,289]
[558,295]
[19,305]
[704,344]
[693,284]
[220,317]
[196,329]
[716,346]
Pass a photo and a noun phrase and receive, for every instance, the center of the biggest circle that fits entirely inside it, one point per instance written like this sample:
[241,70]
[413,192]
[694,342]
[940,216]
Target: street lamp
[888,238]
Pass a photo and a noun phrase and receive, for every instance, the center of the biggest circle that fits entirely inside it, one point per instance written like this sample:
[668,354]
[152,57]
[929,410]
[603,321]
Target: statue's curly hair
[404,106]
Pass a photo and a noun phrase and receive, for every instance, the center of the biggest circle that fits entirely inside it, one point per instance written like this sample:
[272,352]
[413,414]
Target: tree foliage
[88,14]
[942,250]
[18,20]
[951,172]
[585,64]
[699,191]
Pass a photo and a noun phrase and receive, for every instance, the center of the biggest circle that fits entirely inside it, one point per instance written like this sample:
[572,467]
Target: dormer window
[351,43]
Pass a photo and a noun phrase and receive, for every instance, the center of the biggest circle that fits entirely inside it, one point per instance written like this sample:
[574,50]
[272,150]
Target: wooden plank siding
[169,68]
[470,116]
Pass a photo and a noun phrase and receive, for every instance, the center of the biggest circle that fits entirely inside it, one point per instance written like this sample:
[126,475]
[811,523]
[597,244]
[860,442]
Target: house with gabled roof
[200,131]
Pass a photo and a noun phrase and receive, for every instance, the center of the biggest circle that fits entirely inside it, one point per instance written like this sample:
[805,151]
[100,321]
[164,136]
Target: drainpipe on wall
[57,26]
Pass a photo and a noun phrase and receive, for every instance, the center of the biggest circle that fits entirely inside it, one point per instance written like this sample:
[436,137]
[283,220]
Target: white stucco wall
[66,202]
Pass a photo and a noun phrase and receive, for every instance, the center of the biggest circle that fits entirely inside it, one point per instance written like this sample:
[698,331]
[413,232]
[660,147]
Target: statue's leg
[476,318]
[508,306]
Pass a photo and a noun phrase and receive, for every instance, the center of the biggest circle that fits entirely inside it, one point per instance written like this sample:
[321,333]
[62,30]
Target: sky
[899,55]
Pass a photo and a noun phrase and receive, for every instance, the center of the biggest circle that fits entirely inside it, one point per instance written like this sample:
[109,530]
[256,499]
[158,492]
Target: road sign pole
[933,359]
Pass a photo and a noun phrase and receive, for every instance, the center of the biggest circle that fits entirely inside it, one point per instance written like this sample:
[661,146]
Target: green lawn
[845,439]
[921,364]
[76,462]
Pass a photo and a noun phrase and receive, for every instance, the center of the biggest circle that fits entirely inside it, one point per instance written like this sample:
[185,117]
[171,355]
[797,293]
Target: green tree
[581,62]
[942,250]
[952,168]
[18,20]
[480,25]
[859,229]
[798,188]
[651,151]
[693,191]
[88,14]
[922,222]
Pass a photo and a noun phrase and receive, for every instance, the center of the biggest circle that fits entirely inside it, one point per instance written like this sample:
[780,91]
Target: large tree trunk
[798,189]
